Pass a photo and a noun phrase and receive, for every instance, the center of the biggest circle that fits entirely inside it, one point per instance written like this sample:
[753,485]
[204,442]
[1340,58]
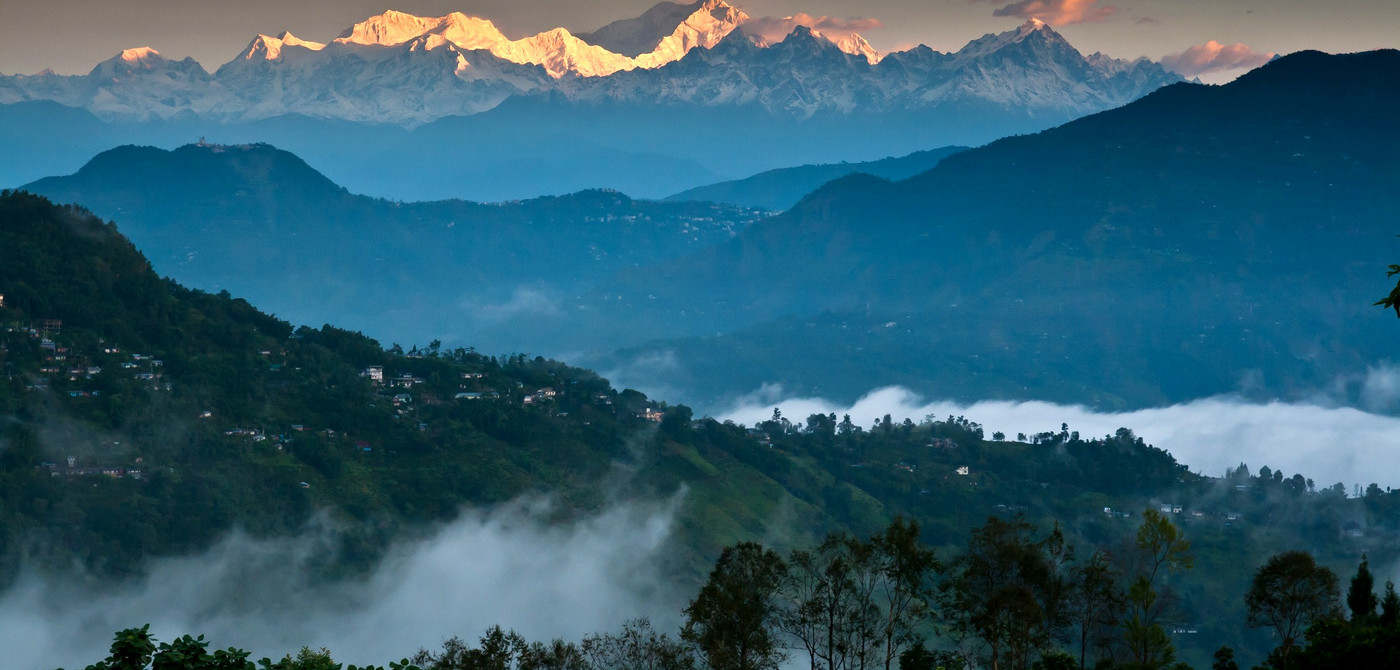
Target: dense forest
[146,419]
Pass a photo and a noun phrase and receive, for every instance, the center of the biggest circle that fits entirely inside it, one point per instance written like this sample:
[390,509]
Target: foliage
[1335,643]
[1361,595]
[1390,605]
[1004,593]
[1162,549]
[733,620]
[905,583]
[858,604]
[1224,659]
[1392,301]
[1288,593]
[1094,605]
[637,647]
[499,649]
[135,649]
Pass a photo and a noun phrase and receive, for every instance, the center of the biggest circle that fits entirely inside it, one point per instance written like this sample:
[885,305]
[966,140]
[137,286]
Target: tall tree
[819,590]
[1289,593]
[1361,597]
[732,621]
[1390,606]
[906,568]
[1162,549]
[1095,603]
[998,593]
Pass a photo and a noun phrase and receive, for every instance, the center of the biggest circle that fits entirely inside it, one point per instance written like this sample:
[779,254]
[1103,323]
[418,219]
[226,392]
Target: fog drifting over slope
[505,567]
[1325,443]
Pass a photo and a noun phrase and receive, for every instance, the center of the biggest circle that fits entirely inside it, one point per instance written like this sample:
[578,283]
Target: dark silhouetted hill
[777,190]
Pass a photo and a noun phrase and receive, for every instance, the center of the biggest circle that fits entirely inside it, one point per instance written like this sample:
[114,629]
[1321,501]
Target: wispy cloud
[1057,12]
[774,29]
[506,567]
[1326,444]
[1215,57]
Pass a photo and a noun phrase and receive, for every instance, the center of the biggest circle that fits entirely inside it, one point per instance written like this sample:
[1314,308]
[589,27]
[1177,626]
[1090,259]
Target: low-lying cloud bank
[1057,12]
[1215,57]
[1325,443]
[775,29]
[506,567]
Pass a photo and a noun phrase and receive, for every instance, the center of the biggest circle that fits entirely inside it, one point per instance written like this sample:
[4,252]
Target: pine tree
[1390,605]
[1361,597]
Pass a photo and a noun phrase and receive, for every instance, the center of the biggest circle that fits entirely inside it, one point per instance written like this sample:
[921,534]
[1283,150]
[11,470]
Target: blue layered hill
[1202,240]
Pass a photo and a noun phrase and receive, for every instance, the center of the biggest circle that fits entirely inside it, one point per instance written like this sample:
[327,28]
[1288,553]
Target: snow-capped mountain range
[408,70]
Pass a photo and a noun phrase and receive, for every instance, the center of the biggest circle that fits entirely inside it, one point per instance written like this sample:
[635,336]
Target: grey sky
[70,36]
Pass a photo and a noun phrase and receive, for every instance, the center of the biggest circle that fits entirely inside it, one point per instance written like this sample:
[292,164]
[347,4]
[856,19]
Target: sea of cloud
[507,566]
[1323,441]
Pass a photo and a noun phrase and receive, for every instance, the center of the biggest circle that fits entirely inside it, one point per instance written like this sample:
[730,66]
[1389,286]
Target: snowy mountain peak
[1034,28]
[853,44]
[290,40]
[266,47]
[468,32]
[1034,31]
[401,68]
[140,55]
[140,59]
[394,27]
[701,24]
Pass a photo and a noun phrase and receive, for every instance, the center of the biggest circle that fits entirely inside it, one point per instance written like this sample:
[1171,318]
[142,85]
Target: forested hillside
[145,419]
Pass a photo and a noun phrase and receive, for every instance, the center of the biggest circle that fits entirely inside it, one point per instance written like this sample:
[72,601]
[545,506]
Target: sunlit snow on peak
[139,54]
[559,51]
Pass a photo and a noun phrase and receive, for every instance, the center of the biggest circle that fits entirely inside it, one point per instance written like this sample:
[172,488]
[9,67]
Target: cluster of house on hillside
[1179,511]
[60,362]
[258,435]
[70,468]
[471,387]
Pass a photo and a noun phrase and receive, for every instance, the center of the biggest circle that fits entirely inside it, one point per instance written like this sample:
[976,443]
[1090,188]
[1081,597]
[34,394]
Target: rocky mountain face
[407,70]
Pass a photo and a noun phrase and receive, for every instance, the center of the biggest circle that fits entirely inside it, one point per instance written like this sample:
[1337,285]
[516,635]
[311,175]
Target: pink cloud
[774,29]
[1058,12]
[1214,57]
